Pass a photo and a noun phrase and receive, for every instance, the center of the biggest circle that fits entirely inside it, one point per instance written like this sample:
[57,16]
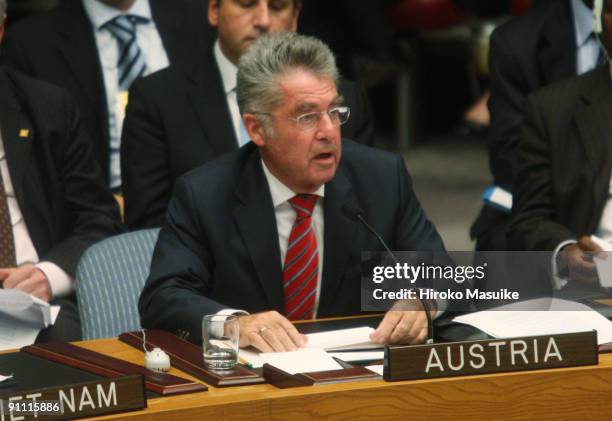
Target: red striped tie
[302,261]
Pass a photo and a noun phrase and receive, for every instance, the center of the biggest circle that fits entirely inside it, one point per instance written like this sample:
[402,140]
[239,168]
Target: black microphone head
[352,210]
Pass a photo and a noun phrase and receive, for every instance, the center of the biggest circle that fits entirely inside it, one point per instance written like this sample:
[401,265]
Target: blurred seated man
[551,42]
[96,49]
[263,230]
[182,117]
[53,200]
[563,183]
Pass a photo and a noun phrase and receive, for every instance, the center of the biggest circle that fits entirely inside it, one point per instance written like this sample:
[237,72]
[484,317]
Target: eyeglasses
[308,121]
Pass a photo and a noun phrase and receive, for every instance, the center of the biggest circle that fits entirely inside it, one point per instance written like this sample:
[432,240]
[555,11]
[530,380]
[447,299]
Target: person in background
[551,42]
[96,49]
[563,184]
[54,203]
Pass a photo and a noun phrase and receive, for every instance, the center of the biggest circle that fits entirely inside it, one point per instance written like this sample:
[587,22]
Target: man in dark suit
[263,229]
[181,117]
[564,162]
[53,200]
[551,42]
[78,45]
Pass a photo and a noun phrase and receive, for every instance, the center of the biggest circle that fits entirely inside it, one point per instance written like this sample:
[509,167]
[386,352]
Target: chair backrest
[109,279]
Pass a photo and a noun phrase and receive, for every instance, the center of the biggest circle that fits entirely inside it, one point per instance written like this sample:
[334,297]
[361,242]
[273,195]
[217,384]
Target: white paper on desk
[251,357]
[333,340]
[4,378]
[22,317]
[358,355]
[378,369]
[356,338]
[604,266]
[25,307]
[301,361]
[512,322]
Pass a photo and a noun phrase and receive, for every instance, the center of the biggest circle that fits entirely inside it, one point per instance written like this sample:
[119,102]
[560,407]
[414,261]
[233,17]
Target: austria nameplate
[79,400]
[490,356]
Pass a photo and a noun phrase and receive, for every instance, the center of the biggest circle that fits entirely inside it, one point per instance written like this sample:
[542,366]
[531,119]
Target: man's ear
[254,129]
[296,16]
[213,12]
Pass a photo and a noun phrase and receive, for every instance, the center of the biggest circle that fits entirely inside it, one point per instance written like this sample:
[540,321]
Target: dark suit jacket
[219,247]
[564,162]
[58,185]
[59,47]
[178,119]
[527,53]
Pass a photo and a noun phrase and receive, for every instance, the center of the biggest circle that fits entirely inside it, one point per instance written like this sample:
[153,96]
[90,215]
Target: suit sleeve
[533,223]
[417,234]
[415,230]
[88,202]
[506,105]
[145,177]
[175,294]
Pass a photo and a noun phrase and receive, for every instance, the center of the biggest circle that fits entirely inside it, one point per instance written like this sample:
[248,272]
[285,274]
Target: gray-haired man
[262,229]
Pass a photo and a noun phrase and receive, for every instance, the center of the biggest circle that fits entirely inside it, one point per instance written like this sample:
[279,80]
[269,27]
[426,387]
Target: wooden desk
[581,393]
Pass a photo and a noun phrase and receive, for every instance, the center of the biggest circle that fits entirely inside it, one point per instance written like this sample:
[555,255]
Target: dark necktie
[301,268]
[7,242]
[131,64]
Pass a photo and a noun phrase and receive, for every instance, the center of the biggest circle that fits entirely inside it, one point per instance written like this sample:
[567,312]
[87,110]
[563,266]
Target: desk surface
[572,393]
[583,393]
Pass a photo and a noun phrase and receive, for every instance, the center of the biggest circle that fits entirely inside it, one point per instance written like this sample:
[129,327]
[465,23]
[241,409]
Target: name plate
[76,400]
[490,356]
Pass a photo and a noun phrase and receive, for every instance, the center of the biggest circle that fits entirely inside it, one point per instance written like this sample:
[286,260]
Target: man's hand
[27,278]
[405,323]
[577,260]
[269,332]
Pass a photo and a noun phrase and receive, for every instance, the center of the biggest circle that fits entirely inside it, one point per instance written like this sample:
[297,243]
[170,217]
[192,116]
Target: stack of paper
[563,317]
[344,339]
[301,361]
[22,316]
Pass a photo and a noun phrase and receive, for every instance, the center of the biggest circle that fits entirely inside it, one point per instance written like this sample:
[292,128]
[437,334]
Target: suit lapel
[339,238]
[256,222]
[556,57]
[594,124]
[210,105]
[17,136]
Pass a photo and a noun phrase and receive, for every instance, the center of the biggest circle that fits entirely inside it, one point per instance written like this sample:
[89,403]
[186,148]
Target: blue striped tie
[131,64]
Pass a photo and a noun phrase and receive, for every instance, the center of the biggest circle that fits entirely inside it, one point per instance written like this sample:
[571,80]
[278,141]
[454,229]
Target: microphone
[352,211]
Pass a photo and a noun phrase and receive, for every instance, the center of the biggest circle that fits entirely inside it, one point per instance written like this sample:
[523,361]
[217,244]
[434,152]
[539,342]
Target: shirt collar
[100,13]
[583,22]
[281,193]
[227,68]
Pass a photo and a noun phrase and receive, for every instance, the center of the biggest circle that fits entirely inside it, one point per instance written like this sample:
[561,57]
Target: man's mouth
[324,157]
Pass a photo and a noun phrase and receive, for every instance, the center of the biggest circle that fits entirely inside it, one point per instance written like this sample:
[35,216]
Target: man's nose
[262,18]
[326,127]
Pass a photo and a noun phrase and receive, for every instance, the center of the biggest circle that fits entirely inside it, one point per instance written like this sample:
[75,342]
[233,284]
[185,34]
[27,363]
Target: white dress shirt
[151,46]
[587,45]
[228,76]
[285,217]
[61,283]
